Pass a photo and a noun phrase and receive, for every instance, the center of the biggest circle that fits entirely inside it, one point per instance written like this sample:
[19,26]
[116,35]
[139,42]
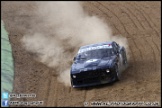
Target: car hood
[92,64]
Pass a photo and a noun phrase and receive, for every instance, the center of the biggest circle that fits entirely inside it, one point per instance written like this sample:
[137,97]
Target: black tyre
[116,69]
[125,56]
[71,83]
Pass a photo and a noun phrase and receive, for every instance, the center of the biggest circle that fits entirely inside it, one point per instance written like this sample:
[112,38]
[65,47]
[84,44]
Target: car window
[95,54]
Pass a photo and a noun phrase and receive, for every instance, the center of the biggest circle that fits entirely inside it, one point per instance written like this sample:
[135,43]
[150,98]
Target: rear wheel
[125,58]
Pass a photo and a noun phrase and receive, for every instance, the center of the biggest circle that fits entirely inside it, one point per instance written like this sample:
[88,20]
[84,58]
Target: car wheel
[71,83]
[125,61]
[117,76]
[125,58]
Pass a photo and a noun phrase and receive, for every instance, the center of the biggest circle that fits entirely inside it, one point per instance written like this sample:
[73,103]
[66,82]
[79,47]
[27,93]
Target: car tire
[71,83]
[117,77]
[125,58]
[125,62]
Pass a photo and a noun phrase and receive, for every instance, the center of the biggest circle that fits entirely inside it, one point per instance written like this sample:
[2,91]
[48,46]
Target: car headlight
[107,70]
[74,76]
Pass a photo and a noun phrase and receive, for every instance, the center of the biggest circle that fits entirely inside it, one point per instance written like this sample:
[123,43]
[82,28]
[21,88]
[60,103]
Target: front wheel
[117,76]
[71,83]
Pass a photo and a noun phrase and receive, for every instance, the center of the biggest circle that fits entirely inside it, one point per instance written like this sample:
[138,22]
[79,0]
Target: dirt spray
[59,29]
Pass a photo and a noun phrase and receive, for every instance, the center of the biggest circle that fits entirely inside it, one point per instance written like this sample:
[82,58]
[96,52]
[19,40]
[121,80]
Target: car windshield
[95,54]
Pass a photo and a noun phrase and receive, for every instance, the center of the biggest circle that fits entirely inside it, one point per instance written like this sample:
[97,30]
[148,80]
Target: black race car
[97,64]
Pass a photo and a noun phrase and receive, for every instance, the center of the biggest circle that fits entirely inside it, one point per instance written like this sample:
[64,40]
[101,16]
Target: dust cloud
[59,29]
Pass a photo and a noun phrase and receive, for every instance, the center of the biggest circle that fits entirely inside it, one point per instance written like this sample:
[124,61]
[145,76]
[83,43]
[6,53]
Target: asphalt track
[139,22]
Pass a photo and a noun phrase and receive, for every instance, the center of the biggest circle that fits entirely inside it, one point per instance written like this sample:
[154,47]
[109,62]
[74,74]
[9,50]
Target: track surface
[138,21]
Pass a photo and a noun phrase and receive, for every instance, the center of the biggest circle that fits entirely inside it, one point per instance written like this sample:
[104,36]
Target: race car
[97,64]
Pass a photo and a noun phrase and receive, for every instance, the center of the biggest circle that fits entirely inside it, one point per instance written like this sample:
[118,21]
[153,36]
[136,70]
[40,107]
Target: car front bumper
[76,83]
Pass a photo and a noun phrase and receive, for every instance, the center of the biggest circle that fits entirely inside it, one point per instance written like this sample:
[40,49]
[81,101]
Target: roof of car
[97,44]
